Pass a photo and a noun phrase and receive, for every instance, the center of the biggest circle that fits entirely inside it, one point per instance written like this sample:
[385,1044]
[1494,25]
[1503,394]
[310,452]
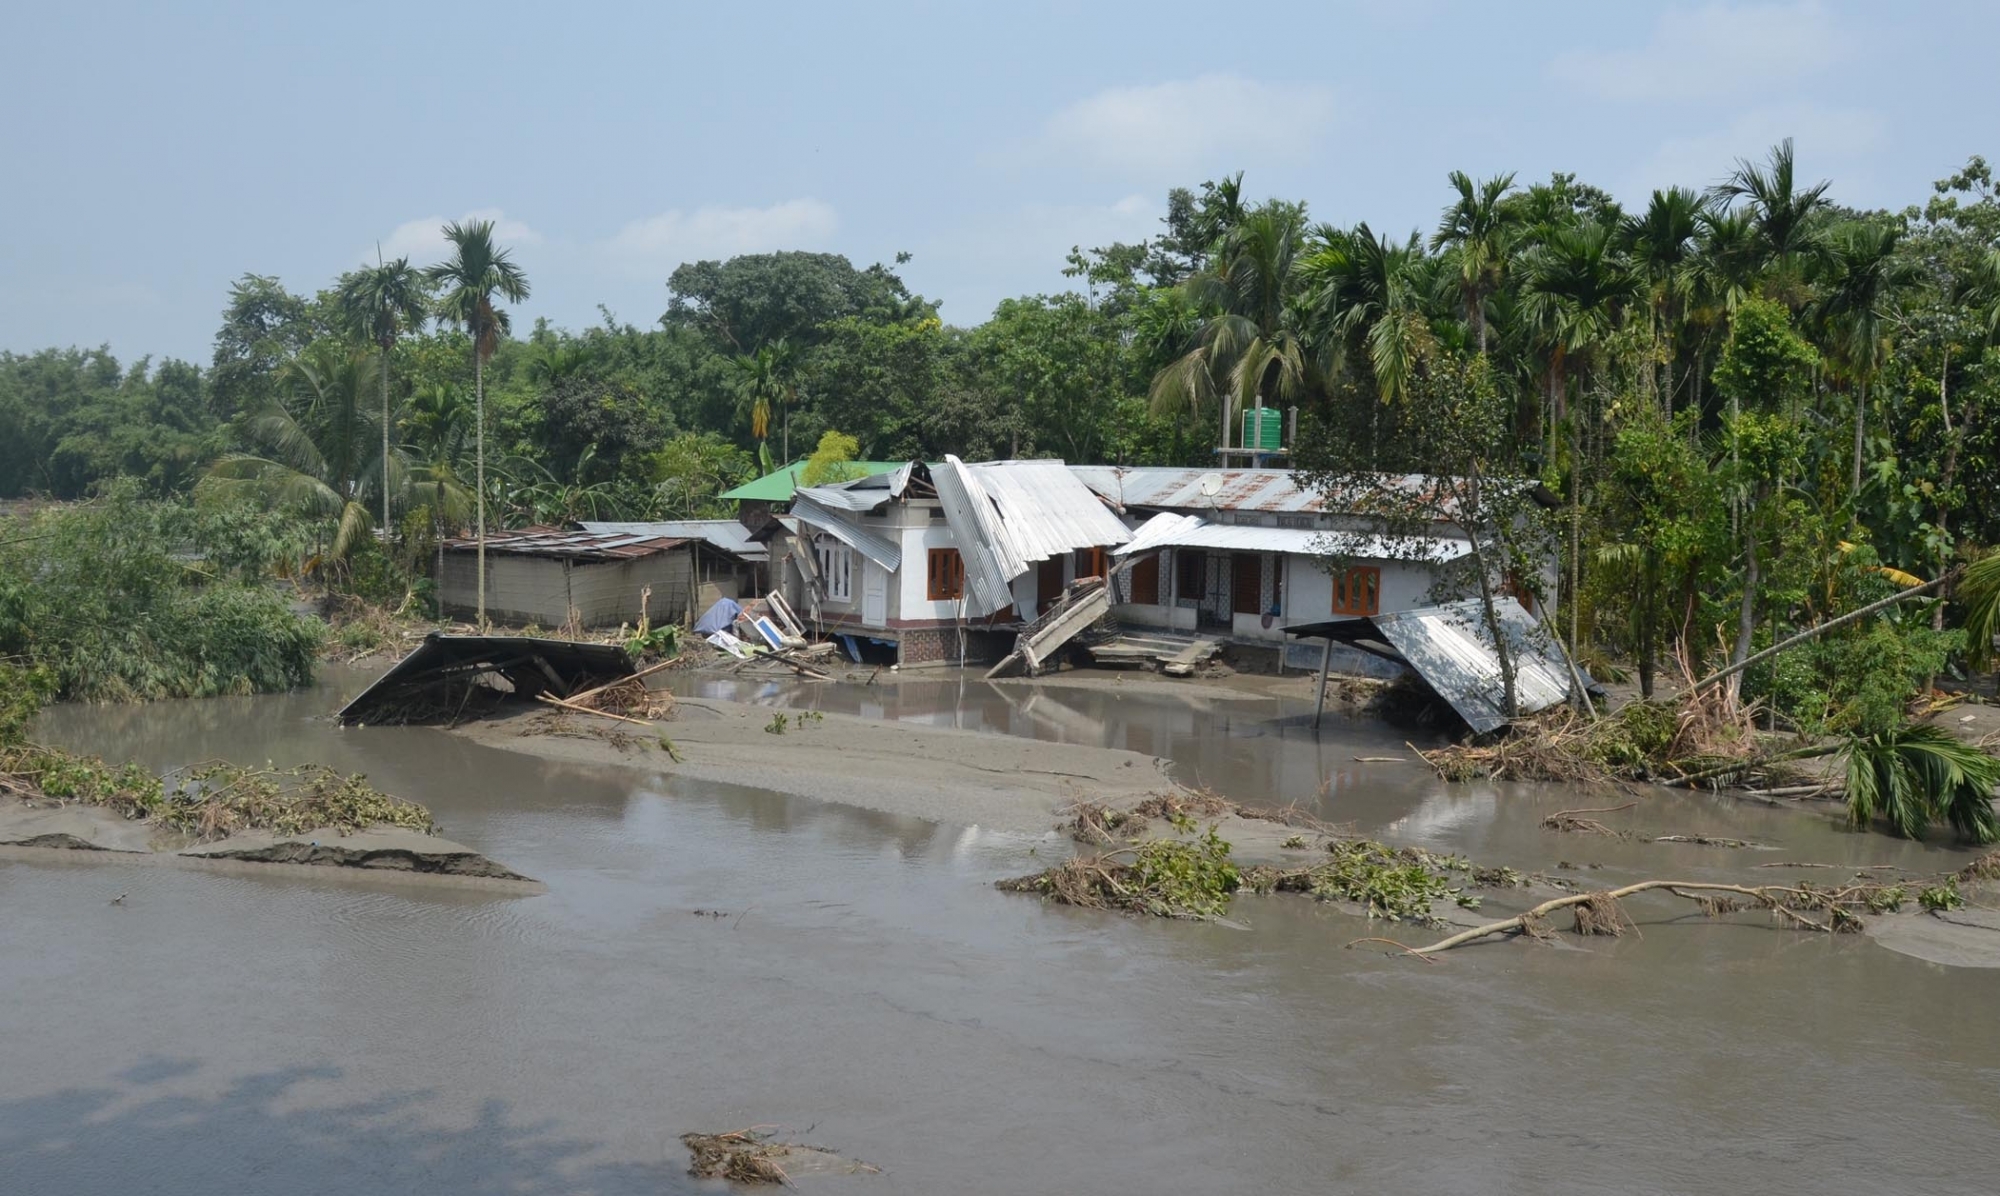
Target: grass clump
[213,800]
[1187,877]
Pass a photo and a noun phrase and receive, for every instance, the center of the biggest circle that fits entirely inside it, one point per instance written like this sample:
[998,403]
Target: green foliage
[1765,364]
[832,461]
[23,691]
[218,799]
[1186,877]
[1392,884]
[663,641]
[1854,684]
[124,599]
[1916,776]
[1940,897]
[689,471]
[778,725]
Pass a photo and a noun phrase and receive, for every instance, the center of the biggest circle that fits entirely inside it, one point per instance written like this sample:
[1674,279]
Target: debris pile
[756,1156]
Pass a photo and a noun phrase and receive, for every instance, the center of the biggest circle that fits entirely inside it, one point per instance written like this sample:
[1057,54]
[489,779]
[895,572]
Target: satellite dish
[1211,485]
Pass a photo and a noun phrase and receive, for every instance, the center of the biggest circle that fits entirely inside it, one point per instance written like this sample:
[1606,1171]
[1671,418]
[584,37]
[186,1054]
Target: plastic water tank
[1263,428]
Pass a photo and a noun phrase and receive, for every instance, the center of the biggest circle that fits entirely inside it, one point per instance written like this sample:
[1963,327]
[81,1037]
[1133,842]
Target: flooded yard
[865,986]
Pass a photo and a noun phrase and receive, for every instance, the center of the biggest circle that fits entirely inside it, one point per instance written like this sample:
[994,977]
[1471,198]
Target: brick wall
[921,646]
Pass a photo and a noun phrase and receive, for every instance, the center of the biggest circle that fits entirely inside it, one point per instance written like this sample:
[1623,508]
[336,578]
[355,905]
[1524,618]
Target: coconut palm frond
[1919,775]
[273,483]
[1979,591]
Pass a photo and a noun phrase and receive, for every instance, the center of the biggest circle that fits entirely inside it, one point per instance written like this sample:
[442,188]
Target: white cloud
[1215,123]
[1714,53]
[677,236]
[1830,142]
[422,240]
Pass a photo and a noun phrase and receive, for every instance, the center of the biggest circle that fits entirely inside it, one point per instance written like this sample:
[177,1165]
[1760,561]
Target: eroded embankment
[72,828]
[937,773]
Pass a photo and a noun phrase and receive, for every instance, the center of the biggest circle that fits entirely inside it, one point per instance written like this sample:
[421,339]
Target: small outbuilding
[552,577]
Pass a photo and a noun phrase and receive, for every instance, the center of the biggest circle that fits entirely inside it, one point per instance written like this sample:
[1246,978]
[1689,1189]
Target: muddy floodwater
[867,988]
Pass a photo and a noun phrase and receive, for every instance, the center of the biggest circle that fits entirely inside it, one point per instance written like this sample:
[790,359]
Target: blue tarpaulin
[720,617]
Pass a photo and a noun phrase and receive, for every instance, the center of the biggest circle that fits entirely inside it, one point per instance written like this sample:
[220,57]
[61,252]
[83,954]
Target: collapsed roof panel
[451,677]
[1449,648]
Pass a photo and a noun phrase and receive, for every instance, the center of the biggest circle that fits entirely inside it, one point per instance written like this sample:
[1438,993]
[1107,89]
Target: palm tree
[1786,218]
[378,304]
[1860,270]
[315,448]
[476,272]
[1661,244]
[1248,336]
[764,381]
[1576,285]
[1370,294]
[1476,227]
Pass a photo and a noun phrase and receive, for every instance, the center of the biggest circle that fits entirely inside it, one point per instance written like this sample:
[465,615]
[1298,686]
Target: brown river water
[319,1032]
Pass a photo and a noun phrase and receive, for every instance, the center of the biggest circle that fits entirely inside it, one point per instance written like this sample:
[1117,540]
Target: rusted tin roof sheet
[569,545]
[726,535]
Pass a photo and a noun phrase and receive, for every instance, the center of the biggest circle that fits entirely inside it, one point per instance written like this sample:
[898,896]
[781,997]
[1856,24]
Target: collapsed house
[733,565]
[1242,555]
[944,563]
[555,577]
[452,678]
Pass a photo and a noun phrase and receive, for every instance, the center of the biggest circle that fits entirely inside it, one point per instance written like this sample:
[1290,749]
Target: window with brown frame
[1089,563]
[1357,591]
[1146,581]
[945,579]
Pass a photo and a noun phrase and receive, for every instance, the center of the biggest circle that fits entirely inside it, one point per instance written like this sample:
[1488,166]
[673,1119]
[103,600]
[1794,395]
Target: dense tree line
[1758,407]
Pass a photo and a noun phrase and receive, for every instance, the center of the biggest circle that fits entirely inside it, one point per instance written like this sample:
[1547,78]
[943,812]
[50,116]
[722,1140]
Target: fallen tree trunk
[1600,913]
[1822,629]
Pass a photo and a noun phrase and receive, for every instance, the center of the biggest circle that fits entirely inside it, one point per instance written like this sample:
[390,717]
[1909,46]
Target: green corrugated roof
[778,487]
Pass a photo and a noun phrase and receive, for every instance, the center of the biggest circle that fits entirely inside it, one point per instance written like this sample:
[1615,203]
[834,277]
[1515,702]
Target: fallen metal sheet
[1448,647]
[1046,510]
[439,680]
[871,544]
[1006,515]
[1170,530]
[992,559]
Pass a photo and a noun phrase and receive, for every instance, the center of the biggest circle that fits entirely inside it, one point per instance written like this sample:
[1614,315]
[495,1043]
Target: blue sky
[155,152]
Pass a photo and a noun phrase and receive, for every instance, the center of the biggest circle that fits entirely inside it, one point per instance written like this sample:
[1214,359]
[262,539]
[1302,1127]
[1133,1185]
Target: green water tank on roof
[1263,428]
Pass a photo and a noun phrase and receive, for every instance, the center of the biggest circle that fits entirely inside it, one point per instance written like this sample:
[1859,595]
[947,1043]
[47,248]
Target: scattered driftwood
[756,1156]
[1708,841]
[1097,824]
[1574,822]
[587,710]
[1600,913]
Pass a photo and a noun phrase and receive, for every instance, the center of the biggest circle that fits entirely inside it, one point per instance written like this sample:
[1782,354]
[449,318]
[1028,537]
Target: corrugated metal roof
[1448,646]
[725,534]
[1006,515]
[1172,530]
[992,558]
[866,541]
[569,545]
[1047,509]
[1180,489]
[1167,488]
[778,485]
